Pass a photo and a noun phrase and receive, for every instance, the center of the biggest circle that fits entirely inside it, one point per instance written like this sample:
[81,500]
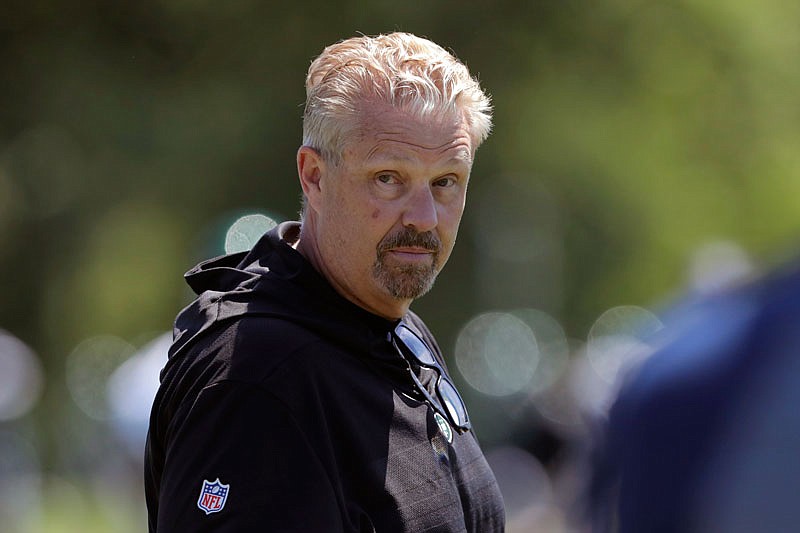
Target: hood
[274,280]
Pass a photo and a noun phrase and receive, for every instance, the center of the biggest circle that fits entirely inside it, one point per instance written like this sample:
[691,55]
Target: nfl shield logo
[212,496]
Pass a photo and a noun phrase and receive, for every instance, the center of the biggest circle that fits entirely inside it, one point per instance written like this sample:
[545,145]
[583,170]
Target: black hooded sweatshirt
[285,407]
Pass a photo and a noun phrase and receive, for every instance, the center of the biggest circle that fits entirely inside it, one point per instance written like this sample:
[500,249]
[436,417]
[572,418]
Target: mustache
[407,237]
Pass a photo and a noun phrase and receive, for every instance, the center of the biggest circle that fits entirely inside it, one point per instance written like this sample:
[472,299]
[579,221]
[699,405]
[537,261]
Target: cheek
[376,214]
[451,219]
[448,231]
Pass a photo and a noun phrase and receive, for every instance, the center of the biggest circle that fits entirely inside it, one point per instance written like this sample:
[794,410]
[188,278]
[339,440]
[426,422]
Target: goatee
[405,281]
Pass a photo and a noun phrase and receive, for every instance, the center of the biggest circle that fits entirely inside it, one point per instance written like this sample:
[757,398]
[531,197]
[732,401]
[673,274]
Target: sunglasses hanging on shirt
[449,401]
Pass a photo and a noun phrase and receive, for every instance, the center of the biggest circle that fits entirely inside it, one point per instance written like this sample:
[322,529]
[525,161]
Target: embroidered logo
[444,427]
[212,496]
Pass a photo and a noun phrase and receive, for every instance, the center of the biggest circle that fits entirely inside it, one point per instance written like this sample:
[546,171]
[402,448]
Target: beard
[407,281]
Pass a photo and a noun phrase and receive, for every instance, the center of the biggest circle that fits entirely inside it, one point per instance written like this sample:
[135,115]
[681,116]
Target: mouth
[411,254]
[409,249]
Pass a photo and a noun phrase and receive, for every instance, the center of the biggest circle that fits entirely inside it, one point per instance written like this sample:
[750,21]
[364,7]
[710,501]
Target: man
[705,437]
[301,394]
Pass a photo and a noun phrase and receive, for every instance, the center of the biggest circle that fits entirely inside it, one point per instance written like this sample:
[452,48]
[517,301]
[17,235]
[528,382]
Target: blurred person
[301,393]
[705,436]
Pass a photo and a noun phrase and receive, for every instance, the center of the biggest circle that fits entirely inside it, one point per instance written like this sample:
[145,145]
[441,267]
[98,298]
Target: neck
[306,245]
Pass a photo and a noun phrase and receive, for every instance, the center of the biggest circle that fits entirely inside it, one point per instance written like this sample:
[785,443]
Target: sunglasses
[449,401]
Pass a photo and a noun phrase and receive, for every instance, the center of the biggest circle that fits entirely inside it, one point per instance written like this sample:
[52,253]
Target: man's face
[386,217]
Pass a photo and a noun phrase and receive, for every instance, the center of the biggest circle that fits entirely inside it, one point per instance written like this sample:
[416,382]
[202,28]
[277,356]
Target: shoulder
[676,414]
[250,350]
[700,345]
[253,348]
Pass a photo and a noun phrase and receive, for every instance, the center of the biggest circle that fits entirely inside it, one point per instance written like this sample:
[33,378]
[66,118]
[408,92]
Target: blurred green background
[640,150]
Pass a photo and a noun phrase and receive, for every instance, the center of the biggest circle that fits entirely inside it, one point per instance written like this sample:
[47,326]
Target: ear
[310,169]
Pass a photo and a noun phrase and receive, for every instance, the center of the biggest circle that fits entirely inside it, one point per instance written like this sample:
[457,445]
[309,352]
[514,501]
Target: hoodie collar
[274,280]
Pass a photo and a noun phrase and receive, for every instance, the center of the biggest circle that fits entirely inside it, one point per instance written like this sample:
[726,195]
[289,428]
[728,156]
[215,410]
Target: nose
[420,212]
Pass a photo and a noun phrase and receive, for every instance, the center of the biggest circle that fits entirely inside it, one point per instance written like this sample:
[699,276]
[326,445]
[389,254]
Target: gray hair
[400,69]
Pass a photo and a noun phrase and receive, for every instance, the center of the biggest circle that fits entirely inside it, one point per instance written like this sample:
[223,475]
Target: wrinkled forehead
[436,130]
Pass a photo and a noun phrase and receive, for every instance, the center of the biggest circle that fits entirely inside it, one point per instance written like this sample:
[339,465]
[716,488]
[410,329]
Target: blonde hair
[399,69]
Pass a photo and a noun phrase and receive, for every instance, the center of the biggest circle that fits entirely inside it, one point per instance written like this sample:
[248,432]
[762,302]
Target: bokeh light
[88,369]
[552,344]
[20,484]
[558,403]
[497,353]
[527,490]
[618,339]
[590,394]
[21,377]
[131,390]
[245,232]
[719,264]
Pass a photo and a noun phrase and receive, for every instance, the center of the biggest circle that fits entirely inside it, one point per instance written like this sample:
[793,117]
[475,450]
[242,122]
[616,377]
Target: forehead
[387,132]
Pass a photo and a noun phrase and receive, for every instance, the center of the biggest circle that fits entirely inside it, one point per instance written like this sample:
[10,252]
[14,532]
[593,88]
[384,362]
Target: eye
[387,178]
[446,181]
